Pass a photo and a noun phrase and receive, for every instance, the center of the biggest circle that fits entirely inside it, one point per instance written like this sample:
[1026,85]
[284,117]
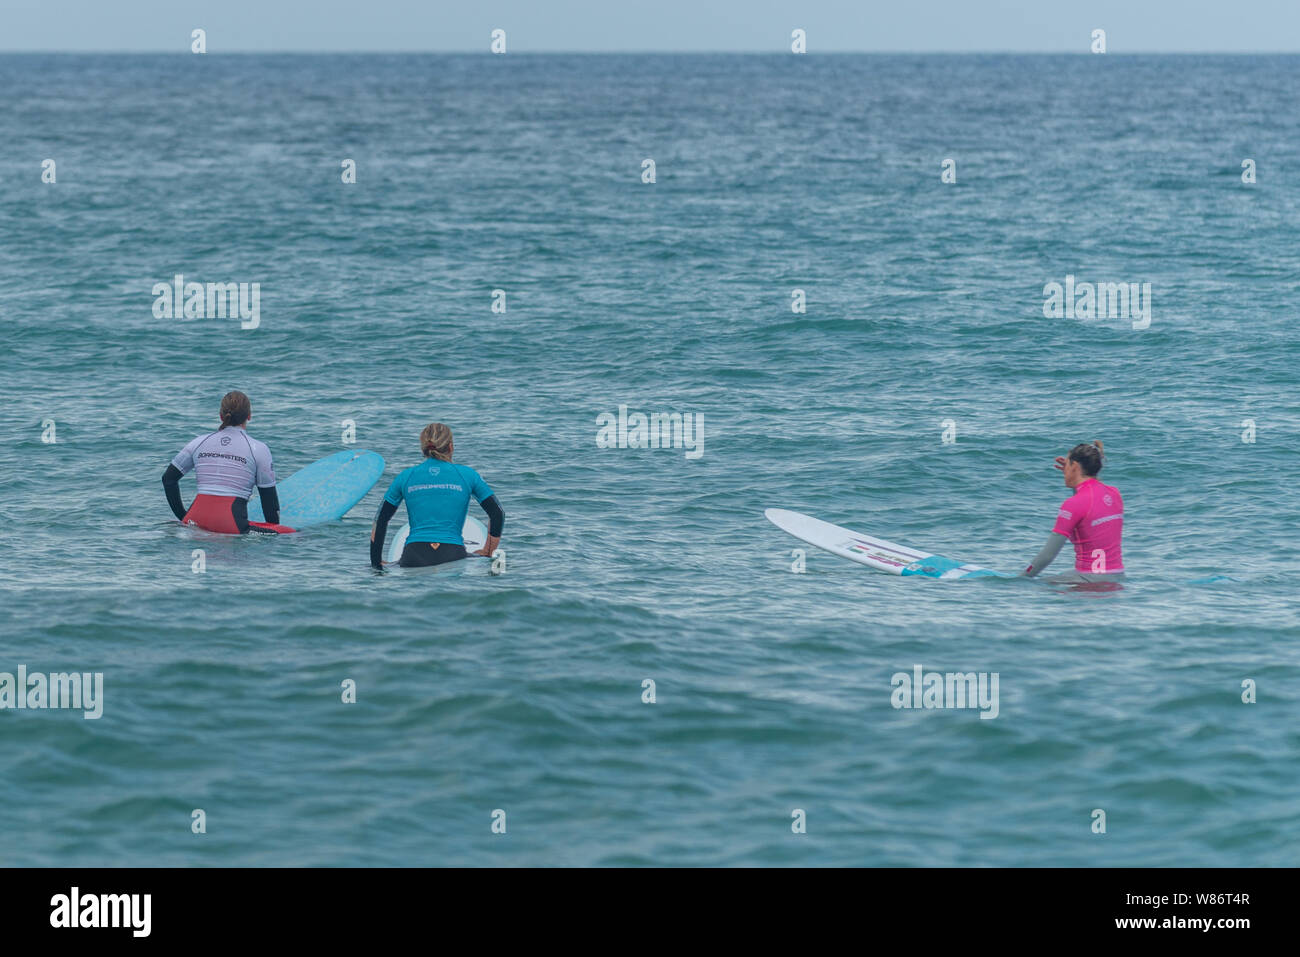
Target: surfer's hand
[1059,465]
[489,547]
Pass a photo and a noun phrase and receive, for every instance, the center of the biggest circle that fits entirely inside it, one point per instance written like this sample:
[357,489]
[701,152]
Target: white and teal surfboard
[874,552]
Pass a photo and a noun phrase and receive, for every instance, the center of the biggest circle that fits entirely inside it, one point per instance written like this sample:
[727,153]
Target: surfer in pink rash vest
[1092,519]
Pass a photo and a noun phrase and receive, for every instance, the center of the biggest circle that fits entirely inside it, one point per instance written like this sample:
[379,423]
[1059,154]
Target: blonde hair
[435,441]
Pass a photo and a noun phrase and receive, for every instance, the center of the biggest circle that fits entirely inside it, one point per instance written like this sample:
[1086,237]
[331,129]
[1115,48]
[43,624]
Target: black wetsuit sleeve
[496,517]
[172,486]
[380,530]
[270,504]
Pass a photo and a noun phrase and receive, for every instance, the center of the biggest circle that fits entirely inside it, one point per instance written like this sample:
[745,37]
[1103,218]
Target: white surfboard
[474,532]
[874,552]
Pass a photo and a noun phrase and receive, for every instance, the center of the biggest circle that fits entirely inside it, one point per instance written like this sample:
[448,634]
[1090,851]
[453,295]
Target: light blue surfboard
[474,533]
[325,490]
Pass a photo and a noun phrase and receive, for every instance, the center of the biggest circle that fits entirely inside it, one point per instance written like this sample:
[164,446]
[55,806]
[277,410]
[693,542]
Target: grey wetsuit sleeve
[1049,552]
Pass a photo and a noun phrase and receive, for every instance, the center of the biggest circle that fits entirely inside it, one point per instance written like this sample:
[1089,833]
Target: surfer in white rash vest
[1092,518]
[228,463]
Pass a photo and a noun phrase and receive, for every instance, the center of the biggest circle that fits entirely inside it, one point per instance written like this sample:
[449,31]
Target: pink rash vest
[1093,519]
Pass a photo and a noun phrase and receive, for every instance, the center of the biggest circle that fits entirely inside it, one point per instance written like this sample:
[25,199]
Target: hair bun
[235,408]
[435,441]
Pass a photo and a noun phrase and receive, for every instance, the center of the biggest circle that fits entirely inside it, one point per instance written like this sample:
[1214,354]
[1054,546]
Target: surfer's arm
[172,486]
[496,524]
[1044,557]
[270,504]
[379,530]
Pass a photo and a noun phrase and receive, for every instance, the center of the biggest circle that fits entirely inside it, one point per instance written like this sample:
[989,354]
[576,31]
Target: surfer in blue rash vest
[437,494]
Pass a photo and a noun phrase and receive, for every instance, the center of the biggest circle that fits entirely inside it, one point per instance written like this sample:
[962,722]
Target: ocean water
[523,692]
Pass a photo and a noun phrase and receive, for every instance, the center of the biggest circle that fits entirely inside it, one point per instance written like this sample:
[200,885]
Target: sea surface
[921,397]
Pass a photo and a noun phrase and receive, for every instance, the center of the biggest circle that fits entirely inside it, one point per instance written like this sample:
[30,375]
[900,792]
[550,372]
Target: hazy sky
[626,25]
